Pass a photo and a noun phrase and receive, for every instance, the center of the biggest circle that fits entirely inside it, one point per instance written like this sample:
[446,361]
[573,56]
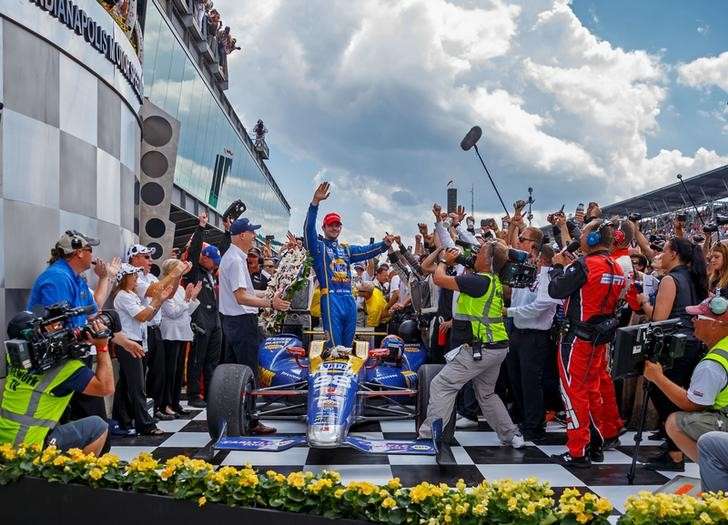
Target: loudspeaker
[160,138]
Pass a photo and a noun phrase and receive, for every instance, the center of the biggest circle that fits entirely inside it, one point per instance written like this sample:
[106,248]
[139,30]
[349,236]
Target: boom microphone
[471,138]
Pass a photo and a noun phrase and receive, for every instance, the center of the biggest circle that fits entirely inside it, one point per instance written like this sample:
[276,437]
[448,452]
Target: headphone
[594,237]
[619,233]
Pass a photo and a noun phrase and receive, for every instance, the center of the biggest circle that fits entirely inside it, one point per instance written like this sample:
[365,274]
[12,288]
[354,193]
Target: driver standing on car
[331,260]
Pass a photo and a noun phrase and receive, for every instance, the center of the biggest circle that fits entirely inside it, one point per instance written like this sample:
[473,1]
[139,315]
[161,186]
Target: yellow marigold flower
[96,473]
[604,506]
[393,484]
[249,479]
[339,493]
[168,472]
[60,461]
[512,503]
[530,509]
[420,493]
[296,479]
[460,485]
[108,460]
[705,518]
[383,493]
[389,503]
[202,501]
[480,509]
[583,518]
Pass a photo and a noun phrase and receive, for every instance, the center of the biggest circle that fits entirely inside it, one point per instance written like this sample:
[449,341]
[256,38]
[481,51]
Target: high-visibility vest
[484,312]
[719,354]
[29,410]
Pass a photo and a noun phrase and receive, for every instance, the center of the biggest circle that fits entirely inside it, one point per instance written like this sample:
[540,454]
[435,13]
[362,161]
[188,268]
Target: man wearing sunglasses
[704,405]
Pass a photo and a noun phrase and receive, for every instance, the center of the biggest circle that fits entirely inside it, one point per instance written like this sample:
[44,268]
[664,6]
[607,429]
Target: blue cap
[213,253]
[242,225]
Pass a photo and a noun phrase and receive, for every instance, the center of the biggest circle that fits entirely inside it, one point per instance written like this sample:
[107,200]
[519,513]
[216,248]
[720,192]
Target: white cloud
[706,72]
[378,94]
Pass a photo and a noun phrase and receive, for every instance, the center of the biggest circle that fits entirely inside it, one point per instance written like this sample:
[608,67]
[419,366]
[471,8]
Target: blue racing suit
[331,261]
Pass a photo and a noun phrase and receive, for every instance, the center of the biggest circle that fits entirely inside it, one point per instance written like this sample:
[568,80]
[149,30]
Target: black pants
[130,399]
[174,363]
[526,363]
[680,374]
[203,359]
[155,366]
[242,338]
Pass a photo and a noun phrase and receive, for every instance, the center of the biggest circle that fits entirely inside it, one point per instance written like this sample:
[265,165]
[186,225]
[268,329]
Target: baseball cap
[213,253]
[126,269]
[358,266]
[242,225]
[72,240]
[139,249]
[331,218]
[715,307]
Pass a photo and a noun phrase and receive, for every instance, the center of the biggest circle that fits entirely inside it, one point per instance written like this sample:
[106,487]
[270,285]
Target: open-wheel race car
[332,390]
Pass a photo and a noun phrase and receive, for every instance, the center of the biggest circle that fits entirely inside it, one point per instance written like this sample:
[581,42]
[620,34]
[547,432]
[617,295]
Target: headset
[594,237]
[619,235]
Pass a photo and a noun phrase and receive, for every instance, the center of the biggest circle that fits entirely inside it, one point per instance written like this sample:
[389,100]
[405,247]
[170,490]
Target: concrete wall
[69,144]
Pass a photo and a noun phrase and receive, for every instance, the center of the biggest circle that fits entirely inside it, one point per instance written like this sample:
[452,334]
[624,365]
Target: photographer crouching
[480,340]
[591,286]
[703,406]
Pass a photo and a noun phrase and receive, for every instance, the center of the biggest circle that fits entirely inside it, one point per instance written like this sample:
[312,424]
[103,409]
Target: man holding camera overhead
[480,340]
[704,404]
[591,286]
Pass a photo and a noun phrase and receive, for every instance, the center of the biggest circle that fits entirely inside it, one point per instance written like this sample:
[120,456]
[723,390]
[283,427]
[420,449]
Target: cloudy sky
[583,100]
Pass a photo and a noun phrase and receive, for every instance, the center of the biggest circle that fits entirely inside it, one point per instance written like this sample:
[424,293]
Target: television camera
[660,342]
[39,343]
[516,273]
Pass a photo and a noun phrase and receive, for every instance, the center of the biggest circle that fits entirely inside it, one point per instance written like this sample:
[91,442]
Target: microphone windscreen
[471,138]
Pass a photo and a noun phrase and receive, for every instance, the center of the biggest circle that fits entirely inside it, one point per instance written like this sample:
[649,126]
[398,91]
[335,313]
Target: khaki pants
[484,374]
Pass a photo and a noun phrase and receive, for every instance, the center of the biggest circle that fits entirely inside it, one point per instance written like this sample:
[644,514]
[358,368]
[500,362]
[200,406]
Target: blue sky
[590,100]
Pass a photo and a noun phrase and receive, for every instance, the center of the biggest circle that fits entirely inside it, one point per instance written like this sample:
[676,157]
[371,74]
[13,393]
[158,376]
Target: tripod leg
[647,388]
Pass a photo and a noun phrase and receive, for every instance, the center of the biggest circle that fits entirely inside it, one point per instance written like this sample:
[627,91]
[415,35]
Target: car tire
[229,400]
[425,375]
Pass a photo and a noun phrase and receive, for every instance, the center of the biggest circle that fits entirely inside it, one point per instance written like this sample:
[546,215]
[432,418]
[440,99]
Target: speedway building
[115,122]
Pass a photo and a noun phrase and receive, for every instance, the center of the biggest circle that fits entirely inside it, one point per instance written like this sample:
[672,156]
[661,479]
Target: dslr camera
[634,217]
[660,342]
[516,273]
[38,344]
[235,210]
[712,227]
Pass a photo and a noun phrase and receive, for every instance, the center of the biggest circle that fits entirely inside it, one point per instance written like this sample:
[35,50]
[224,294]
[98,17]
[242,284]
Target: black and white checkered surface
[477,451]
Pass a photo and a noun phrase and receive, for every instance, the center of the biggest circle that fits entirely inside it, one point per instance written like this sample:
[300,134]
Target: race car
[332,390]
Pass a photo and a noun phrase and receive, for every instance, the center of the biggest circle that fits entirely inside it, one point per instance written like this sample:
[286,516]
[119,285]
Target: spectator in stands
[176,330]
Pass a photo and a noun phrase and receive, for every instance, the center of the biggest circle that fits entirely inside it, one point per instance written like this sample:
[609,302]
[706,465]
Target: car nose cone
[326,436]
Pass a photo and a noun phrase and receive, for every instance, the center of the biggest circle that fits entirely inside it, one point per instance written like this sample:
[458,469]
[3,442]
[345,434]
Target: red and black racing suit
[591,286]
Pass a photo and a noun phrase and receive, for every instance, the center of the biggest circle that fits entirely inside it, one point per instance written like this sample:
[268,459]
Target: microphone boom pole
[491,180]
[700,216]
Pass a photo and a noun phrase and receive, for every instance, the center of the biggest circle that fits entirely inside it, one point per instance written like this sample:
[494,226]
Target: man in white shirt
[532,314]
[239,303]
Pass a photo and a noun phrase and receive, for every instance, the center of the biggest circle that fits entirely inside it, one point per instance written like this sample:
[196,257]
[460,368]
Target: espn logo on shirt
[610,278]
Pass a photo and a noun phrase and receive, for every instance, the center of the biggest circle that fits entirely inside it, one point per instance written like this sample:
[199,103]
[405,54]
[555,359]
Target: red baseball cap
[332,218]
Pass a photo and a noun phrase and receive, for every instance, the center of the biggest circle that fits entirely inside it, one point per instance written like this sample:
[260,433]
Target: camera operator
[481,342]
[32,403]
[591,286]
[703,406]
[684,283]
[64,281]
[207,342]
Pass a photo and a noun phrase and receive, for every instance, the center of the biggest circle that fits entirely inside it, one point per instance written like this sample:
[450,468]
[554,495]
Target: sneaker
[117,430]
[566,460]
[198,403]
[665,462]
[180,411]
[517,441]
[463,422]
[162,416]
[657,435]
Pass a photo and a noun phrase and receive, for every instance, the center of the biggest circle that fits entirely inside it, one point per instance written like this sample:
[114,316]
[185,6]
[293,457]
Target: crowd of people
[210,24]
[520,356]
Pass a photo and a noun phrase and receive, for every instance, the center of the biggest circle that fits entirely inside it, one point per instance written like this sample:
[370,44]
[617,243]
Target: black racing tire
[230,401]
[425,375]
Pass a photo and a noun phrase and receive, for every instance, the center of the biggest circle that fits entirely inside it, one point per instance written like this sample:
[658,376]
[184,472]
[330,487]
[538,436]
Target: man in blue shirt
[331,262]
[63,280]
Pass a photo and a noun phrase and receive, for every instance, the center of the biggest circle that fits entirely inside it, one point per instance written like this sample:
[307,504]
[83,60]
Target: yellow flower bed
[527,502]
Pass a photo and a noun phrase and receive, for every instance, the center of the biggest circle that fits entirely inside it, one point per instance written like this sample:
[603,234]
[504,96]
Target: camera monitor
[658,341]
